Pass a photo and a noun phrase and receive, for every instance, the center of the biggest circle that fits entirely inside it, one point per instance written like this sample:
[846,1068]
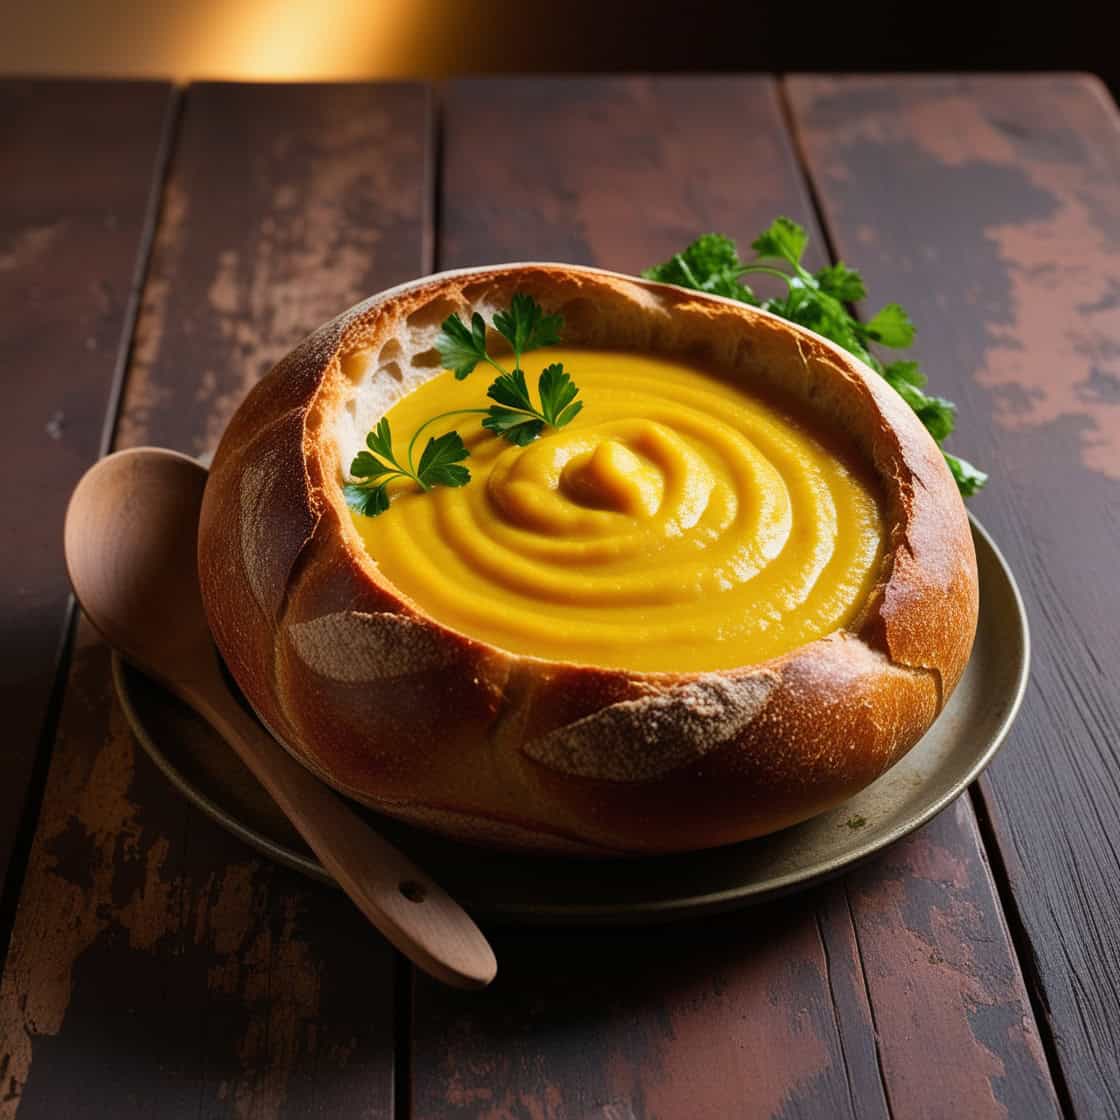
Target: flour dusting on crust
[352,647]
[639,740]
[255,511]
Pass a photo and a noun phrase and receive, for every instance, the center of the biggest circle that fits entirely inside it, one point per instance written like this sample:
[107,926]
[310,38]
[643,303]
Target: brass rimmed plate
[515,888]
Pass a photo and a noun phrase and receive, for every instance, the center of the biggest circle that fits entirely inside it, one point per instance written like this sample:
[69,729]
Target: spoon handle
[415,914]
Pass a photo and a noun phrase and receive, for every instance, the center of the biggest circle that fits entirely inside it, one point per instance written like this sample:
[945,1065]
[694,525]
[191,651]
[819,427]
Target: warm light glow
[235,39]
[279,38]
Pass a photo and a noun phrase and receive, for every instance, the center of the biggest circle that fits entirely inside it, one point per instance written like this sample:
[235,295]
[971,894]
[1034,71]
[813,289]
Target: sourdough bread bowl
[432,726]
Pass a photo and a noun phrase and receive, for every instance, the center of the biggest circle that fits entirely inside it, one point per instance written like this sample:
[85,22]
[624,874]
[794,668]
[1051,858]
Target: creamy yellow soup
[678,523]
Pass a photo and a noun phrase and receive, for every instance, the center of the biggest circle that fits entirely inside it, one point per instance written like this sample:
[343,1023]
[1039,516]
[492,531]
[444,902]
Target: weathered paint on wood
[988,207]
[618,172]
[954,1025]
[80,161]
[890,993]
[775,1011]
[730,1017]
[157,967]
[704,1020]
[286,204]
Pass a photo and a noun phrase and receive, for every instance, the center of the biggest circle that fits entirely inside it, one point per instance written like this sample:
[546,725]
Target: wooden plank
[942,980]
[616,172]
[285,208]
[701,1020]
[755,1015]
[722,1018]
[80,168]
[988,207]
[158,967]
[769,1011]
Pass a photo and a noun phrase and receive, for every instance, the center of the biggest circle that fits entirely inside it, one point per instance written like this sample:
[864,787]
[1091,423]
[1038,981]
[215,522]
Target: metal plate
[662,888]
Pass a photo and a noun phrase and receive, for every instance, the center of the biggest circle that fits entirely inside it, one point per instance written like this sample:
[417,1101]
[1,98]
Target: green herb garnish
[819,301]
[524,326]
[438,466]
[514,417]
[460,347]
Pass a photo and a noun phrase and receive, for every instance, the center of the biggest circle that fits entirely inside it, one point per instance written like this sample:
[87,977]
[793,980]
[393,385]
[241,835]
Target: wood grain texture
[989,208]
[615,172]
[286,204]
[80,167]
[157,967]
[796,1009]
[955,1030]
[730,1017]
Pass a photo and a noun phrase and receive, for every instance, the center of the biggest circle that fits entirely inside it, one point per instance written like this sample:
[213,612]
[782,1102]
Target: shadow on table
[693,1018]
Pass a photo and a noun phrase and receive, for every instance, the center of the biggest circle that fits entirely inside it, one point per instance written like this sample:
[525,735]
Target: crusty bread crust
[422,722]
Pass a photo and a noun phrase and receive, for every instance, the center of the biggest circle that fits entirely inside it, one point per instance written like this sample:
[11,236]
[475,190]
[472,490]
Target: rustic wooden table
[160,249]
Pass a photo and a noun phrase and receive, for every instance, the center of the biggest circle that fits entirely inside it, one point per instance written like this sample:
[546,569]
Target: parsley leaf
[821,313]
[907,379]
[366,466]
[370,495]
[904,370]
[526,327]
[842,283]
[784,240]
[516,418]
[368,500]
[710,264]
[936,413]
[517,427]
[460,347]
[510,389]
[819,301]
[969,478]
[380,440]
[891,326]
[557,392]
[438,464]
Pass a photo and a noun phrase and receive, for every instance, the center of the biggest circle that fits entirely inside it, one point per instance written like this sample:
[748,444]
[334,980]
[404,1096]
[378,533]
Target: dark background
[348,39]
[786,35]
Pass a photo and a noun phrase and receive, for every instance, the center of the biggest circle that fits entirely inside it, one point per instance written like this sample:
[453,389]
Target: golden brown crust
[425,723]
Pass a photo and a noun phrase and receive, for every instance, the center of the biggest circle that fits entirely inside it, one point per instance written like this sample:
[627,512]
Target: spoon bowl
[131,540]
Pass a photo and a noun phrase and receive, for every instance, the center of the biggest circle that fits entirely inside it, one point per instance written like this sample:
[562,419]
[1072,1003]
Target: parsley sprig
[525,327]
[517,419]
[376,468]
[819,300]
[514,416]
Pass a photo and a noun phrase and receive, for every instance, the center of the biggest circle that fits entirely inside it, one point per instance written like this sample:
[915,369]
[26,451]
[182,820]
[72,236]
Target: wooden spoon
[131,543]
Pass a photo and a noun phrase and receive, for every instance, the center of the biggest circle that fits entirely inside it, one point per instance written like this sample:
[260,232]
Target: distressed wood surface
[157,967]
[890,993]
[80,163]
[1007,253]
[895,993]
